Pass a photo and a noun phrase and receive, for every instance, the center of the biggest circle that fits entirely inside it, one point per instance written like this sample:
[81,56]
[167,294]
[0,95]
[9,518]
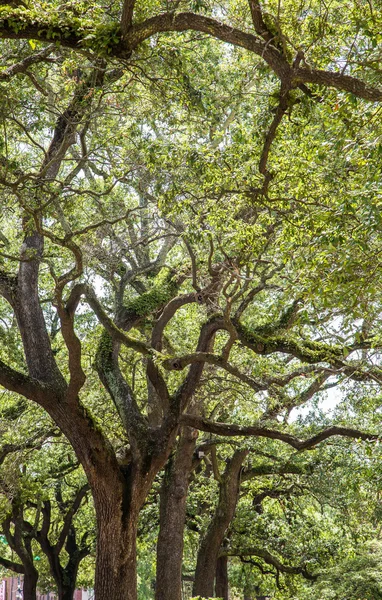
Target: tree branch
[271,469]
[12,566]
[274,561]
[80,495]
[269,138]
[243,430]
[167,313]
[127,16]
[344,83]
[184,393]
[12,26]
[115,332]
[190,21]
[23,65]
[258,21]
[35,442]
[8,285]
[22,384]
[299,399]
[179,363]
[122,395]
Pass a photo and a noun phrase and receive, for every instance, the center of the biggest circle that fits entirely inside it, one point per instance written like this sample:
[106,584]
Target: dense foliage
[189,278]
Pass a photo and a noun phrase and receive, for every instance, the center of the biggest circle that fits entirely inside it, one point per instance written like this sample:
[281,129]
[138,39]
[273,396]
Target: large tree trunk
[116,575]
[172,519]
[221,586]
[30,583]
[118,496]
[117,510]
[212,541]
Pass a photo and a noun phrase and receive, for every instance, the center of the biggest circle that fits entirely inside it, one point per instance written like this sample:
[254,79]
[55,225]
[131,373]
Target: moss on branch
[306,350]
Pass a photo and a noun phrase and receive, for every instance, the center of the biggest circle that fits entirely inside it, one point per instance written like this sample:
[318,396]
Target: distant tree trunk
[21,544]
[209,548]
[64,577]
[70,571]
[172,518]
[221,586]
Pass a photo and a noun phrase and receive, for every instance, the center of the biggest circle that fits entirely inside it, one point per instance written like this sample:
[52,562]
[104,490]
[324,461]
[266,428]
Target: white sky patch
[327,404]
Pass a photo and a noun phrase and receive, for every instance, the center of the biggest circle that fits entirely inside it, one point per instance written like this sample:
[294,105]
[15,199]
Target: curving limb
[22,66]
[232,430]
[14,25]
[272,560]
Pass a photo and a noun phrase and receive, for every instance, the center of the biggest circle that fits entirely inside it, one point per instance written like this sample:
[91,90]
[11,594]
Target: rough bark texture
[221,586]
[30,318]
[116,551]
[209,549]
[172,519]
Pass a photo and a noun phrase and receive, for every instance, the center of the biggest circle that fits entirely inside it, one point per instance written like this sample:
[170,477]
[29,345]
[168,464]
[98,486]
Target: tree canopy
[190,241]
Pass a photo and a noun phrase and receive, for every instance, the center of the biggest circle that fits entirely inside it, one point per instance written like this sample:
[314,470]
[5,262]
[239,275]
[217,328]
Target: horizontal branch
[11,565]
[180,363]
[268,52]
[35,442]
[30,388]
[271,469]
[22,65]
[226,33]
[345,83]
[22,24]
[253,431]
[274,561]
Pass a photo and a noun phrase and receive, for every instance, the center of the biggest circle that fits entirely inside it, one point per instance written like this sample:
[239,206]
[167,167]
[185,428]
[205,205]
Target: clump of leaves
[356,577]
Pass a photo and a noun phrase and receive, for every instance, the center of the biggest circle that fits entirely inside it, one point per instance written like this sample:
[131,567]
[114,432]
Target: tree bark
[221,586]
[118,495]
[116,553]
[30,583]
[117,511]
[209,549]
[173,498]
